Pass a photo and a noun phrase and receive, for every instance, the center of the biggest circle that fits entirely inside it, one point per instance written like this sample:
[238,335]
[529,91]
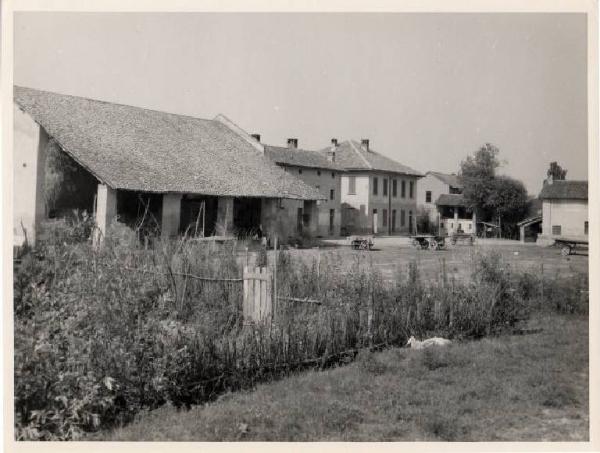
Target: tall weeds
[103,333]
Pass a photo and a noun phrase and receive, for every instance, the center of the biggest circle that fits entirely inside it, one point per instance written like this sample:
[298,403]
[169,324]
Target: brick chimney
[256,137]
[364,144]
[292,143]
[331,152]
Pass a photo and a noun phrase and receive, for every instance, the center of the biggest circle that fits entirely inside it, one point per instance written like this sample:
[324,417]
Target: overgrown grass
[507,388]
[102,334]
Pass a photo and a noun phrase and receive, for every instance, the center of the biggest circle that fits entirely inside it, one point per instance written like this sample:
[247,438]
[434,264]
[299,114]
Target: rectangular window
[402,217]
[394,188]
[428,196]
[403,189]
[393,220]
[332,194]
[385,218]
[385,187]
[412,189]
[556,230]
[585,227]
[375,186]
[351,185]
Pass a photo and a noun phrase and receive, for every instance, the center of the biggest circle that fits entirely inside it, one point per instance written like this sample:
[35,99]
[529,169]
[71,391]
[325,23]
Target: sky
[426,89]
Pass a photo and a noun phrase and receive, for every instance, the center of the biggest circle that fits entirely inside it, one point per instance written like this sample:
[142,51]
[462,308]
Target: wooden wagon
[568,245]
[361,242]
[428,241]
[462,237]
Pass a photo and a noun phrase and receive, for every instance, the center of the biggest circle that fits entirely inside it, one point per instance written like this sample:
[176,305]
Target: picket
[257,306]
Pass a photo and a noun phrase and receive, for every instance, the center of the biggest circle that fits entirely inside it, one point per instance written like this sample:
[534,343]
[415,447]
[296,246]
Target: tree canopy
[489,195]
[556,171]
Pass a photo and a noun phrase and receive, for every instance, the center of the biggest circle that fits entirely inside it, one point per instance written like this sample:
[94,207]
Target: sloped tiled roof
[566,190]
[451,199]
[145,150]
[300,158]
[351,156]
[451,180]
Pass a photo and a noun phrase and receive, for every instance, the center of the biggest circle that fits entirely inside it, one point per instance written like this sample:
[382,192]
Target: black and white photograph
[300,226]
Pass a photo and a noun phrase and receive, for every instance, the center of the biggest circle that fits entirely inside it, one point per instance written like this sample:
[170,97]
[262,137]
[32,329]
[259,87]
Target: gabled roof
[351,156]
[452,180]
[145,150]
[300,158]
[565,190]
[451,199]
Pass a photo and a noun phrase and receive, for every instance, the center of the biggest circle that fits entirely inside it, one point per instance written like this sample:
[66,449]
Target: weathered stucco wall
[570,215]
[437,187]
[325,181]
[29,159]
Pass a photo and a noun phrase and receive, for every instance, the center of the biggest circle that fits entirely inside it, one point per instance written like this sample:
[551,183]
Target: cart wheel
[364,245]
[566,250]
[416,244]
[433,245]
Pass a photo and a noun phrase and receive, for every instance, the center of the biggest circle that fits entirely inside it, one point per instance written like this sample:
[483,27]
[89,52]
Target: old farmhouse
[142,166]
[378,194]
[564,210]
[440,196]
[318,171]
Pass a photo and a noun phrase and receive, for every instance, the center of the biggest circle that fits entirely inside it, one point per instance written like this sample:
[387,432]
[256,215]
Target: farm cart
[469,239]
[568,246]
[361,242]
[428,241]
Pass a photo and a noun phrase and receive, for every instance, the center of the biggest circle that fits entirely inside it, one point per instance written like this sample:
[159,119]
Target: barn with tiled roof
[182,168]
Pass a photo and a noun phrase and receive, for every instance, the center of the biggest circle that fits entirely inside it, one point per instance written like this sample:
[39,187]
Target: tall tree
[507,199]
[556,171]
[477,173]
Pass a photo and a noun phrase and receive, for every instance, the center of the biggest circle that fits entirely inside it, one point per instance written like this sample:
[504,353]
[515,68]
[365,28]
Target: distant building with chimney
[316,170]
[378,194]
[564,209]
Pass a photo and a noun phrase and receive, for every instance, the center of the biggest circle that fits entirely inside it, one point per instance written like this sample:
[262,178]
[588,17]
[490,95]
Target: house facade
[378,194]
[564,210]
[147,169]
[439,197]
[431,186]
[318,171]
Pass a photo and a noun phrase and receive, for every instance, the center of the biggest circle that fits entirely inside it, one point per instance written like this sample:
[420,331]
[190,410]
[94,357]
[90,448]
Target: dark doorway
[393,220]
[198,215]
[331,221]
[140,211]
[299,221]
[246,216]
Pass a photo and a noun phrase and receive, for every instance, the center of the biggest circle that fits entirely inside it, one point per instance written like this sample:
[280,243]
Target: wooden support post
[275,300]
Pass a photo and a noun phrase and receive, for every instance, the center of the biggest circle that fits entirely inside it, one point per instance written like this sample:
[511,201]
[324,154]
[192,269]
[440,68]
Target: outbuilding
[145,168]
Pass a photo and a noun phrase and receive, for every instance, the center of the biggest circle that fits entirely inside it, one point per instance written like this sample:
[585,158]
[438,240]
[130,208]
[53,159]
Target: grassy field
[392,256]
[530,387]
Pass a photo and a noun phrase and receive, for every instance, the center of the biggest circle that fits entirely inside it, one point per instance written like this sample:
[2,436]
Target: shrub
[102,334]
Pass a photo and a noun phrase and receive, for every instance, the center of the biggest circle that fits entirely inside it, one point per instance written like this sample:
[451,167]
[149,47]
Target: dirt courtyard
[392,255]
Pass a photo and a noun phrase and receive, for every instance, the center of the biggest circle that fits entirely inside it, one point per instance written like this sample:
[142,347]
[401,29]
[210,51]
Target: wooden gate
[258,297]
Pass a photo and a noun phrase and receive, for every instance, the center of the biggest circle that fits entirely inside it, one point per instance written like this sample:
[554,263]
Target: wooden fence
[258,295]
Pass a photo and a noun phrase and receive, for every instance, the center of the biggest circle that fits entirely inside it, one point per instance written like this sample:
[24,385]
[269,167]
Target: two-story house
[439,196]
[318,171]
[378,194]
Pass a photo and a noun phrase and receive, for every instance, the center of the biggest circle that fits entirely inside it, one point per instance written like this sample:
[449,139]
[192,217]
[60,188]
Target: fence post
[245,311]
[542,281]
[275,302]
